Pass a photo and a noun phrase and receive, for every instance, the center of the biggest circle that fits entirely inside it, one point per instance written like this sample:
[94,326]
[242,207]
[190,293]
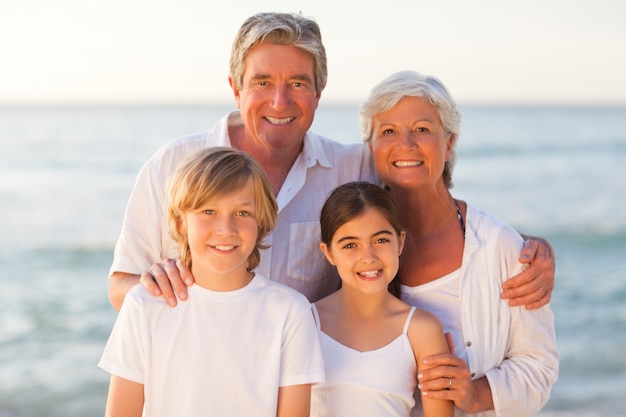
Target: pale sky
[149,51]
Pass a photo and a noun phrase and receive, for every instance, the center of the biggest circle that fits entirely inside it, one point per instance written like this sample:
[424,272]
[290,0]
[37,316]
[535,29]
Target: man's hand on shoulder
[532,287]
[168,278]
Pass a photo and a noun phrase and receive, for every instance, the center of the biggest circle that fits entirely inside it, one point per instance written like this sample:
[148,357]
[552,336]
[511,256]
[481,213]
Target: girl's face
[222,234]
[366,252]
[410,145]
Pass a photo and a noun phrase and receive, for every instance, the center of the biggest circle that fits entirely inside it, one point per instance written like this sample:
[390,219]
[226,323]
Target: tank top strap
[408,320]
[316,316]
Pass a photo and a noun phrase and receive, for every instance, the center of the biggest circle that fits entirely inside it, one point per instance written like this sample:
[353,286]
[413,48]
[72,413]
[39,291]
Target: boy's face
[221,235]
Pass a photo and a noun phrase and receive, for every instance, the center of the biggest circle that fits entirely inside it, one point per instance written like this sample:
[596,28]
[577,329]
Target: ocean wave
[604,147]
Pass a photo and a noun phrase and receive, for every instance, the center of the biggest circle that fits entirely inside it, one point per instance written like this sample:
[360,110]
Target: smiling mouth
[370,274]
[223,247]
[402,164]
[277,121]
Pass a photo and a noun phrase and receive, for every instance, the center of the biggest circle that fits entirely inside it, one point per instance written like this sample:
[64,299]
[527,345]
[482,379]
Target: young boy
[242,345]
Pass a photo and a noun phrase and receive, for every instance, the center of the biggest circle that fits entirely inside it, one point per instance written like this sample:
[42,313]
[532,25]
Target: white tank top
[375,383]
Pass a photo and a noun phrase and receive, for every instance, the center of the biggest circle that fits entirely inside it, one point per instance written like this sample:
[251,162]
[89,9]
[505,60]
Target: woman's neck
[424,212]
[435,241]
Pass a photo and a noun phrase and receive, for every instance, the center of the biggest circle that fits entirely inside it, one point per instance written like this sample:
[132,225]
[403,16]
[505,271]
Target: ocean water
[66,172]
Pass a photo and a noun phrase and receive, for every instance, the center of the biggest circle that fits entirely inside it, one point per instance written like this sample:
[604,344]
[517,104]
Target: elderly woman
[456,258]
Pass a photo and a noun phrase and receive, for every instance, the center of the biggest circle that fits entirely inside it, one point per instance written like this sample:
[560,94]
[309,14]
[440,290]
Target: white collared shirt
[294,257]
[515,348]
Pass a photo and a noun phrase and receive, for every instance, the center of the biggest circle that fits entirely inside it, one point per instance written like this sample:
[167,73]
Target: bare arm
[427,338]
[119,285]
[125,398]
[532,287]
[447,377]
[294,401]
[167,278]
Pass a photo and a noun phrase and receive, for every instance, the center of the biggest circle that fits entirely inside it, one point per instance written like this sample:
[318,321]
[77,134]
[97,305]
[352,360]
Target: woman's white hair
[386,94]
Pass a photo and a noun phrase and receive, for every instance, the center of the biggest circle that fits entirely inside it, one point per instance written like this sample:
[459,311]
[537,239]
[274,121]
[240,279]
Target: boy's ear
[327,253]
[181,225]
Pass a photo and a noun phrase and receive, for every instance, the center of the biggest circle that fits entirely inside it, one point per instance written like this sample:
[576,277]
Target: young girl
[372,342]
[241,345]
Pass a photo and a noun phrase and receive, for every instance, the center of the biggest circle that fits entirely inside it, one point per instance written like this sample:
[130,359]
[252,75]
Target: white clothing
[294,258]
[441,298]
[375,383]
[219,353]
[514,347]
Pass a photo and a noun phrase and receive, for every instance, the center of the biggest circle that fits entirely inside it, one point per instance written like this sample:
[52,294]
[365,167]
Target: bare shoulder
[326,304]
[426,334]
[423,320]
[327,309]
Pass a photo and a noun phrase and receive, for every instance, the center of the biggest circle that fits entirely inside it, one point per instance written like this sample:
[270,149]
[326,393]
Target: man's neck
[276,162]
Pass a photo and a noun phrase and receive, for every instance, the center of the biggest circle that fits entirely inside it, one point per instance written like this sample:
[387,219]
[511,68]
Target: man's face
[278,98]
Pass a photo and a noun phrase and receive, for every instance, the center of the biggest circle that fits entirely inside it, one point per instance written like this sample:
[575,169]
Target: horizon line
[353,102]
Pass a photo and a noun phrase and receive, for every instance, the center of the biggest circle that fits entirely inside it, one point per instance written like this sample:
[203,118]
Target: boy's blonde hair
[213,173]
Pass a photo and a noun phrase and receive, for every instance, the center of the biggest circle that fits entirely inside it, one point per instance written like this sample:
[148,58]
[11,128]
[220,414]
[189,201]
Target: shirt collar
[313,151]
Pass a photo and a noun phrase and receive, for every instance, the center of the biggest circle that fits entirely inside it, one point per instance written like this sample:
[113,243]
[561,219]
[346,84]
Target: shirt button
[473,374]
[468,344]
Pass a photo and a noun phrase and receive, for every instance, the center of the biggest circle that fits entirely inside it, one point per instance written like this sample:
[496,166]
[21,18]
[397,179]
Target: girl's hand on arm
[532,287]
[294,401]
[125,398]
[168,278]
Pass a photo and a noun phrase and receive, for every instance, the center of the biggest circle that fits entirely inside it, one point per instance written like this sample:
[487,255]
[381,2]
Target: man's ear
[236,91]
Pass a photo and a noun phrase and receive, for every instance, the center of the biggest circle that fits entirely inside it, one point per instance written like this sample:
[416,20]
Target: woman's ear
[327,253]
[449,146]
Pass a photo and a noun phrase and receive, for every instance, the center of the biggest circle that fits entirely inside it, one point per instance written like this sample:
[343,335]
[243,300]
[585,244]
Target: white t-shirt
[219,353]
[294,258]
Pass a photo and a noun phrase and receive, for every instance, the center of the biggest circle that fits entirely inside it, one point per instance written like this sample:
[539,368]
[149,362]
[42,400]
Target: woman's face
[410,145]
